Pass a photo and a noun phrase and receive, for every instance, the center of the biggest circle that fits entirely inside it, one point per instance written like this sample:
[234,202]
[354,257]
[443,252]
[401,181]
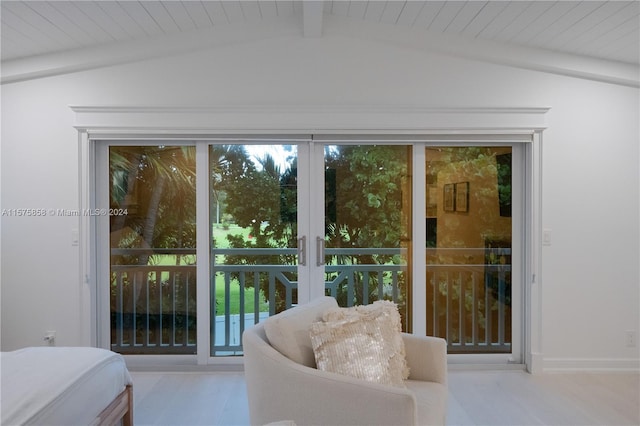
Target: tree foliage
[156,186]
[368,196]
[363,199]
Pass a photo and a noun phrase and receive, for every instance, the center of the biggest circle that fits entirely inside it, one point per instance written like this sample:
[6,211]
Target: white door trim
[95,122]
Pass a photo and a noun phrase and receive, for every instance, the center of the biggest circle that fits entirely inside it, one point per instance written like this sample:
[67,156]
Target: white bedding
[58,385]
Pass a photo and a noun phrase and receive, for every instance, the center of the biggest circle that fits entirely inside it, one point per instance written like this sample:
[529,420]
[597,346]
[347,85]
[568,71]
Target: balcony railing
[153,309]
[471,307]
[349,283]
[154,306]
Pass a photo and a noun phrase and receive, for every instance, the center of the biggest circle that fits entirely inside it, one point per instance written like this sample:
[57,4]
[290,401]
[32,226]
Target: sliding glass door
[208,237]
[367,225]
[152,264]
[253,213]
[473,196]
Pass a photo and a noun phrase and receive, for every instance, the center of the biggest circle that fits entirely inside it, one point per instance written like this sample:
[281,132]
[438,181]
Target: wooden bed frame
[120,409]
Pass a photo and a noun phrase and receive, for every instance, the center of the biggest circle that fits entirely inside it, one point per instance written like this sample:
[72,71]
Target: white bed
[64,386]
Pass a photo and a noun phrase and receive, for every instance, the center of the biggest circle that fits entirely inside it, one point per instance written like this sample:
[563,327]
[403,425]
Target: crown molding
[287,119]
[287,109]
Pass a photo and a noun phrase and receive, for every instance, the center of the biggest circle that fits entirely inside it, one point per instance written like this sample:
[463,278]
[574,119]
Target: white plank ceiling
[601,29]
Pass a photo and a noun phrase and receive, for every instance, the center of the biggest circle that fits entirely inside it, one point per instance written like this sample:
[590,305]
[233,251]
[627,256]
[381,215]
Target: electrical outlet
[50,338]
[631,338]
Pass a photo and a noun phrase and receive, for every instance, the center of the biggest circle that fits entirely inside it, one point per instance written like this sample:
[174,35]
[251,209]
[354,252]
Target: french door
[297,221]
[208,237]
[258,255]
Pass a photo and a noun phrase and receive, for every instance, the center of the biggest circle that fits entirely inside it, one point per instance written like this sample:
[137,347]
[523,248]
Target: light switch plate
[75,237]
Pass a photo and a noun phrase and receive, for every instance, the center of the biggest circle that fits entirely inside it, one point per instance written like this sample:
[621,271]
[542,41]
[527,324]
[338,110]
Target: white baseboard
[535,363]
[567,365]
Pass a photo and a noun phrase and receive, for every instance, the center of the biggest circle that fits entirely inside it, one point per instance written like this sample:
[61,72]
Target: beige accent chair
[284,384]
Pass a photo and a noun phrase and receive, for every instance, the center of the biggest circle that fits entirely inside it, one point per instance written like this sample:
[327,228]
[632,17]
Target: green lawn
[219,235]
[220,238]
[234,298]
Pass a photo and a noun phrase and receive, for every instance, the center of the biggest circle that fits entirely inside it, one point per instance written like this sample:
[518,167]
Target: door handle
[302,251]
[319,251]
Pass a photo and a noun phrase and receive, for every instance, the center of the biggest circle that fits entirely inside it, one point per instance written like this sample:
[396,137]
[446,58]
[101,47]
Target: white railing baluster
[241,301]
[256,297]
[448,317]
[159,321]
[501,306]
[434,291]
[174,307]
[135,308]
[365,287]
[120,313]
[474,309]
[462,335]
[272,294]
[227,308]
[487,315]
[185,331]
[394,285]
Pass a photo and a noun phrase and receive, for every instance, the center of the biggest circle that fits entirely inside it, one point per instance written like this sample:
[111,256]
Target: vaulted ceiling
[606,30]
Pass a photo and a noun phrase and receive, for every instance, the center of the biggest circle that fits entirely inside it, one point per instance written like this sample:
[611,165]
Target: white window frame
[419,142]
[399,123]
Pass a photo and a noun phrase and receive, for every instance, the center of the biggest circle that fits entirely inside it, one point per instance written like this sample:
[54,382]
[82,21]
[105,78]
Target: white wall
[591,276]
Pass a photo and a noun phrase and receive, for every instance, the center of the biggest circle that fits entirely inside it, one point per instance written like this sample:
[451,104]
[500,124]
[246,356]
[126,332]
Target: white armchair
[283,383]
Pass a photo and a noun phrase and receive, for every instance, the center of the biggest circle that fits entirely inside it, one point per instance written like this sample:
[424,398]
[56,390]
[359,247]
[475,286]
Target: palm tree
[153,183]
[156,186]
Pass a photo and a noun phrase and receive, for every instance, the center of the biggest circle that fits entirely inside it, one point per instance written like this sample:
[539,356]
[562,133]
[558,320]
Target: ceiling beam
[312,11]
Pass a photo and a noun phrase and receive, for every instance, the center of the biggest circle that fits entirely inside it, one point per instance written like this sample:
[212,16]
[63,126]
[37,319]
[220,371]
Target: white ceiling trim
[328,26]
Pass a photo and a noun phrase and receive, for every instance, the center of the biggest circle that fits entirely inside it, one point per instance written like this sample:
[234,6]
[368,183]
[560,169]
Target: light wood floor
[475,398]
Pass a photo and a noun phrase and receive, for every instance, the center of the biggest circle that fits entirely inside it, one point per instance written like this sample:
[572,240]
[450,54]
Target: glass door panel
[254,238]
[469,247]
[367,241]
[359,244]
[152,249]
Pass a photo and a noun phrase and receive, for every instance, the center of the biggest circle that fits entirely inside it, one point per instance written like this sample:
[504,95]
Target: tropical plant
[364,187]
[155,185]
[261,197]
